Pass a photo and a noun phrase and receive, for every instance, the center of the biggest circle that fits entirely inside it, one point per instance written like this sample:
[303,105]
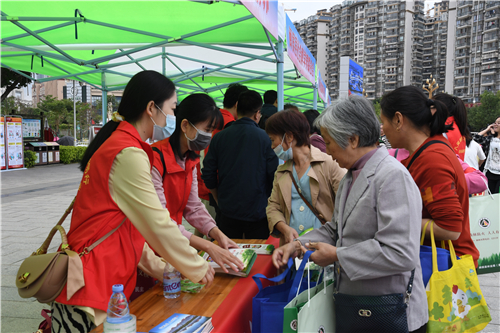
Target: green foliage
[29,158]
[468,284]
[378,109]
[494,259]
[486,113]
[70,154]
[437,311]
[473,301]
[11,80]
[446,294]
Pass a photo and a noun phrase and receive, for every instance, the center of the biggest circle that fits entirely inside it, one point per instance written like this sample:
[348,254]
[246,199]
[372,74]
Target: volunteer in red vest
[174,175]
[457,118]
[116,192]
[229,114]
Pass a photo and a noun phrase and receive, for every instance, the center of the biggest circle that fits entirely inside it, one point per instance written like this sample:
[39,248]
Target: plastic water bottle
[171,282]
[118,311]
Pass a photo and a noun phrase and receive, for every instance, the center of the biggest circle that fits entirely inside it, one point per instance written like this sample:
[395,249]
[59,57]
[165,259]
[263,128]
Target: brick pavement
[32,202]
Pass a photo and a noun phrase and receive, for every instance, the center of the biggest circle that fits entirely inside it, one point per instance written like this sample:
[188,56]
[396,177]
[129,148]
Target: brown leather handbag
[43,275]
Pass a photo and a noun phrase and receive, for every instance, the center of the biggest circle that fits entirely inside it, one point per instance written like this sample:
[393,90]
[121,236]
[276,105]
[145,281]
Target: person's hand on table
[222,239]
[283,253]
[324,254]
[209,277]
[288,232]
[223,257]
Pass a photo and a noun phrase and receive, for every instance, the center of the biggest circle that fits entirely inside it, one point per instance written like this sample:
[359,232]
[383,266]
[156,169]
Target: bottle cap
[117,288]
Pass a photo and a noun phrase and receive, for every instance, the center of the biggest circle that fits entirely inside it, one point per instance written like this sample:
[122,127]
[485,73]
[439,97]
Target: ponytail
[103,134]
[413,104]
[457,109]
[143,87]
[439,115]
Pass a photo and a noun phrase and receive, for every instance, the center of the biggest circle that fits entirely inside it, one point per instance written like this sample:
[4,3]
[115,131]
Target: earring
[398,129]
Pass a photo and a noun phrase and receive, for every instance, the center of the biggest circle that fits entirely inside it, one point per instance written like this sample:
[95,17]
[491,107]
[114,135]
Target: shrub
[29,158]
[70,154]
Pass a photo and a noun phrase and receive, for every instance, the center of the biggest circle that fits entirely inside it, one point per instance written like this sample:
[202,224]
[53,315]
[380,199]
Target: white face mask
[284,155]
[161,133]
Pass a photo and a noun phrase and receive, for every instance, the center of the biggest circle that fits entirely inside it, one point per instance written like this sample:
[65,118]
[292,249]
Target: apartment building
[438,45]
[477,67]
[315,33]
[384,37]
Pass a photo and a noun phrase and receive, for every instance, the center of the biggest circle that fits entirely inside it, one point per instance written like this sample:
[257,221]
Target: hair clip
[454,100]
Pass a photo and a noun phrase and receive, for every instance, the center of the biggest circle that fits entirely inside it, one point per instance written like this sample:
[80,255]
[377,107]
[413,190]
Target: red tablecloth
[235,313]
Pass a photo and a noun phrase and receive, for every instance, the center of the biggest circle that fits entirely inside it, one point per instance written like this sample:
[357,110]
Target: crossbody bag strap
[43,249]
[87,249]
[417,154]
[320,217]
[162,161]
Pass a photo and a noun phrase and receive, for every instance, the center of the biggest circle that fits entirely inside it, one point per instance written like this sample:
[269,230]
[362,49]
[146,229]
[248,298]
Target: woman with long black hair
[116,192]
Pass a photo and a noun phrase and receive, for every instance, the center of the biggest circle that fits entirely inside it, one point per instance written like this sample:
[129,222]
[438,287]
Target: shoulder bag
[43,275]
[320,217]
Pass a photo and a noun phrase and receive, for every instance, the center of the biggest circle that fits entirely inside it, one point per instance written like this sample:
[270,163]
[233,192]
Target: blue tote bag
[269,303]
[443,257]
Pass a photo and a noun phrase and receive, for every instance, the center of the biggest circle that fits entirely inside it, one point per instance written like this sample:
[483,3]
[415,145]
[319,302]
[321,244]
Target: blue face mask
[284,155]
[160,133]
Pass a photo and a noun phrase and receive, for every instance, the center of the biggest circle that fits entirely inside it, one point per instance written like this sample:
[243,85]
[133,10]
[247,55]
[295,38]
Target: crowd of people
[319,182]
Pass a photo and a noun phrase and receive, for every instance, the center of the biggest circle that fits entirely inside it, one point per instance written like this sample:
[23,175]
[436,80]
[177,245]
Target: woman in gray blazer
[374,236]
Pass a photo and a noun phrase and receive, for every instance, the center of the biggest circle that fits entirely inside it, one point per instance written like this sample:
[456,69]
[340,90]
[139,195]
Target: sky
[307,8]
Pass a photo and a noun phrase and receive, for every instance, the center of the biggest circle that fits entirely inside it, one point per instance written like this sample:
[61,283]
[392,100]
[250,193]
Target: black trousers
[493,182]
[422,329]
[239,229]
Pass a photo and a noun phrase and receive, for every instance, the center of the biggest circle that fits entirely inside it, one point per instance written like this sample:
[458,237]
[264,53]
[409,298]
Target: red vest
[176,181]
[456,139]
[95,213]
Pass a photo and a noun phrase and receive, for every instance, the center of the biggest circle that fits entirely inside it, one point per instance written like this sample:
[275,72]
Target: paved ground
[33,200]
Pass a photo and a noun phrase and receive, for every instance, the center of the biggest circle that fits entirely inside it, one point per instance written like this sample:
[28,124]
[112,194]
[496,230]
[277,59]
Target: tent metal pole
[74,112]
[270,43]
[104,98]
[46,42]
[75,75]
[43,53]
[280,75]
[180,70]
[68,75]
[6,39]
[36,18]
[129,62]
[18,72]
[134,60]
[163,62]
[315,98]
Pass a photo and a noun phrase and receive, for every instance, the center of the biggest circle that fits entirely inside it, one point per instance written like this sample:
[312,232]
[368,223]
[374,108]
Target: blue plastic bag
[268,304]
[443,257]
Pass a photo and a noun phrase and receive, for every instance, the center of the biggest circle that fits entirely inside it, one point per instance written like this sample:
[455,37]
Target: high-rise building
[438,45]
[314,32]
[384,37]
[477,67]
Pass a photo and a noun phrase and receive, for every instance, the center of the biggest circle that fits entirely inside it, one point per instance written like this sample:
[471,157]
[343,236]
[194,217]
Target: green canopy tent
[202,45]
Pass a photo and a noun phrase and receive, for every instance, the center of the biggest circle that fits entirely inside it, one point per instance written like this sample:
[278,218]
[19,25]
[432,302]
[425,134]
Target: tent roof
[82,39]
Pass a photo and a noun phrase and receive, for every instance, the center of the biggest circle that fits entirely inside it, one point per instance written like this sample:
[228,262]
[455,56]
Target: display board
[350,77]
[2,143]
[266,12]
[299,53]
[32,128]
[14,143]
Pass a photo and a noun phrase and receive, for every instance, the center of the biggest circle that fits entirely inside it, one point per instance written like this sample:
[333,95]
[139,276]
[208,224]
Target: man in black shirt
[239,171]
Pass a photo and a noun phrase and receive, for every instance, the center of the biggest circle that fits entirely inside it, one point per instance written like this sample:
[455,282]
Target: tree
[482,115]
[12,80]
[57,112]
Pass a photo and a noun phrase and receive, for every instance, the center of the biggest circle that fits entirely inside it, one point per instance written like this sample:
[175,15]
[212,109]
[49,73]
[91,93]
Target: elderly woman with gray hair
[374,236]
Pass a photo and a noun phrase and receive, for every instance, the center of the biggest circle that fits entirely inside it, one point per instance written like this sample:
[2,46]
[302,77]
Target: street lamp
[430,86]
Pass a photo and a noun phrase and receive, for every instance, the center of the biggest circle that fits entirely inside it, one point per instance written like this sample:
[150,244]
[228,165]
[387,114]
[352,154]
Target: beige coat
[324,178]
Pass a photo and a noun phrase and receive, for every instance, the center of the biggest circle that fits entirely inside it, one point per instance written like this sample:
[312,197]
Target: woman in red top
[410,120]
